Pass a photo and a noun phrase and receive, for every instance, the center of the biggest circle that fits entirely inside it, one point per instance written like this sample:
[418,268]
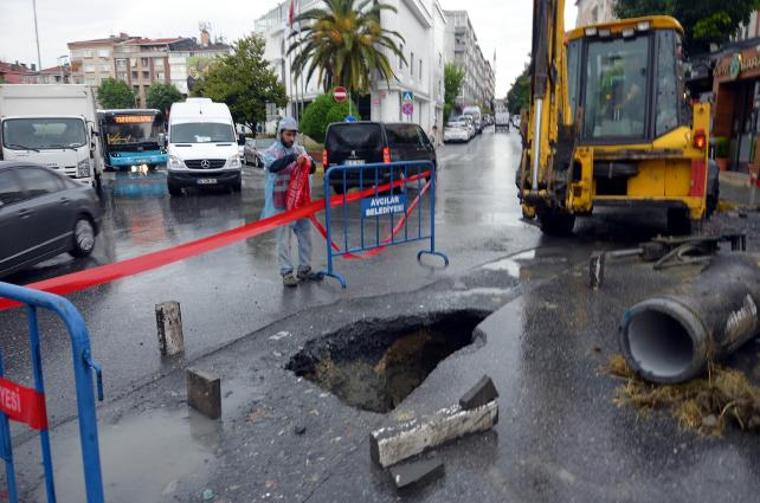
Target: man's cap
[287,124]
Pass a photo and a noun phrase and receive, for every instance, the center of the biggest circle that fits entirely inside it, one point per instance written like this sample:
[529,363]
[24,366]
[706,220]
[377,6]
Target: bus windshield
[43,133]
[128,131]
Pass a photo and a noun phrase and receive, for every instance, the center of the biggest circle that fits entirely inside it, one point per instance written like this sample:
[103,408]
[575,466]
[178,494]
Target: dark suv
[357,143]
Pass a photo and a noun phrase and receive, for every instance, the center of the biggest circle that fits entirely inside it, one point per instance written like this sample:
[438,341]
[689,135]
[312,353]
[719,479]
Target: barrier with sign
[391,192]
[27,405]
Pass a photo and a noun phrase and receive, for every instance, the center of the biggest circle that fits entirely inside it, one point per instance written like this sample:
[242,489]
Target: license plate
[207,181]
[354,162]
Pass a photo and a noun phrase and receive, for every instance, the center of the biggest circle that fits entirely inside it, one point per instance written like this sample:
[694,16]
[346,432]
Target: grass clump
[706,405]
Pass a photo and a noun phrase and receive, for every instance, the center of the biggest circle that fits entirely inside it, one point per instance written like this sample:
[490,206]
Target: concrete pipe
[670,339]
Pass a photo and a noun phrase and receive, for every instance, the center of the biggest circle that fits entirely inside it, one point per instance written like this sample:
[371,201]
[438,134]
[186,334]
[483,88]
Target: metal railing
[28,405]
[398,190]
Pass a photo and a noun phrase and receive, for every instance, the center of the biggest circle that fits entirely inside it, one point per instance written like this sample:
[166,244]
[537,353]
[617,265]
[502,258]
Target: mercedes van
[202,147]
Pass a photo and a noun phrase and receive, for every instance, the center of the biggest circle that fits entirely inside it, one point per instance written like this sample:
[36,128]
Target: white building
[463,49]
[422,23]
[751,29]
[595,11]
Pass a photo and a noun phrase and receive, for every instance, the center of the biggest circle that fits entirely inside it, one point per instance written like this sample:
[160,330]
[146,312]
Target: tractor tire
[556,223]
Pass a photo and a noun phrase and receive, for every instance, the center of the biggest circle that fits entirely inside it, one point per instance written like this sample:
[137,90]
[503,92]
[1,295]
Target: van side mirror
[162,140]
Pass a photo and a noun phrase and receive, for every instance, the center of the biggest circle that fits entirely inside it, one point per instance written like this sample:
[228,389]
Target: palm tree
[345,44]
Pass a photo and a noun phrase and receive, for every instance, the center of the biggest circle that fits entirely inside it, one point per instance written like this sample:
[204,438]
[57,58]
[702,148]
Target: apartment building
[422,23]
[92,61]
[595,11]
[462,49]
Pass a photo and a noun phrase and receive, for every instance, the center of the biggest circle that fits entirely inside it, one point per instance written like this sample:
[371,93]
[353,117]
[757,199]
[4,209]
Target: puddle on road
[374,366]
[142,457]
[528,265]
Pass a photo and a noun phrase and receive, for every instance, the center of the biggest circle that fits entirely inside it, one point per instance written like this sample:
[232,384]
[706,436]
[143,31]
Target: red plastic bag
[298,188]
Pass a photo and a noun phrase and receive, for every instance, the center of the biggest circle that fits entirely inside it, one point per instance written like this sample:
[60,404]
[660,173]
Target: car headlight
[233,162]
[175,162]
[83,168]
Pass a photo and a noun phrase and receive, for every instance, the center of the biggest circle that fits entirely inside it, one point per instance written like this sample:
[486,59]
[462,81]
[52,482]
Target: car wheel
[84,237]
[174,190]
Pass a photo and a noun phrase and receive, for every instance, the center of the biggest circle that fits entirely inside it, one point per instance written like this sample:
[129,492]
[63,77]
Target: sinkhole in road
[373,365]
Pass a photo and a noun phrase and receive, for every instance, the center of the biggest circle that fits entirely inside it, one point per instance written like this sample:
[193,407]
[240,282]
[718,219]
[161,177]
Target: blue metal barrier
[84,365]
[403,179]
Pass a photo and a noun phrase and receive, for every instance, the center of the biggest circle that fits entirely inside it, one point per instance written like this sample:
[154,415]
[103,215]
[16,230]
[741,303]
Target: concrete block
[480,394]
[171,341]
[394,444]
[416,473]
[204,393]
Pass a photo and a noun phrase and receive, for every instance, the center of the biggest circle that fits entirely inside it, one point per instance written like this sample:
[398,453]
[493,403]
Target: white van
[202,146]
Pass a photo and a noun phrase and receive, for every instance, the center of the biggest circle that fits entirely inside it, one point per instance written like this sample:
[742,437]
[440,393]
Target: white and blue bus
[130,138]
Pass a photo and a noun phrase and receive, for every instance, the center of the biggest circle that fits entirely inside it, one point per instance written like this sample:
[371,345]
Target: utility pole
[37,35]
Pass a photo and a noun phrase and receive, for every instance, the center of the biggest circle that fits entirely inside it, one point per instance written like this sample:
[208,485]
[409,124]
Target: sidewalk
[736,188]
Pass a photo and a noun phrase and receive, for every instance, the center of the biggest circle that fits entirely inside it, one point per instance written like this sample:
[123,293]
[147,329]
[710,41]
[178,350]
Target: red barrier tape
[23,404]
[389,239]
[89,278]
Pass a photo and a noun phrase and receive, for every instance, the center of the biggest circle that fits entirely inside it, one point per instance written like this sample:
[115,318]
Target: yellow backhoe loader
[610,123]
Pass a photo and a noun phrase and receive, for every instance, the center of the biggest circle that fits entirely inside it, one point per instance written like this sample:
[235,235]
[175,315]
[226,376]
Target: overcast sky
[503,26]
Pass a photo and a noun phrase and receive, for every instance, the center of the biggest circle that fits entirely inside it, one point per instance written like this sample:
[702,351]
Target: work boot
[306,273]
[290,280]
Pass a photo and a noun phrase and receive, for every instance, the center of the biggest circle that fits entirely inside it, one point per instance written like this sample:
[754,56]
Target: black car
[43,214]
[357,143]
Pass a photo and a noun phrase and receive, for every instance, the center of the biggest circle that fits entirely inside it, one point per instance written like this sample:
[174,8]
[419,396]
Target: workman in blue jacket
[280,160]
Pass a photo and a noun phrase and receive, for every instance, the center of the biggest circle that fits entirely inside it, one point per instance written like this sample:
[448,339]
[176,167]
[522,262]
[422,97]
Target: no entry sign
[340,94]
[22,404]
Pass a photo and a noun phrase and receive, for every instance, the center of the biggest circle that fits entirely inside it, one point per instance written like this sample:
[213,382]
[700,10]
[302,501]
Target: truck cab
[51,125]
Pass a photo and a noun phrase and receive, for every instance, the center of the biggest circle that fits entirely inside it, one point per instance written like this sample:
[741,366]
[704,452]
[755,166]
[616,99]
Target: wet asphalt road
[230,293]
[235,291]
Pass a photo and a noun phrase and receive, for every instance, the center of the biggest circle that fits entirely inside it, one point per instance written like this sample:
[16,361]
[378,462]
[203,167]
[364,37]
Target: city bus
[130,139]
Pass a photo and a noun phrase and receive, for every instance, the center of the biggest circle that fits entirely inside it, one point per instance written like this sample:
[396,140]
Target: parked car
[373,142]
[456,131]
[43,213]
[253,149]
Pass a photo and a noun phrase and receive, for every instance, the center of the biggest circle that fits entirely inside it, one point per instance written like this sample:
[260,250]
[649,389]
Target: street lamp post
[37,35]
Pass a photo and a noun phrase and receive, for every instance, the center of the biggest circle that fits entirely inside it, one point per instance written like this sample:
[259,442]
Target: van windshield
[202,132]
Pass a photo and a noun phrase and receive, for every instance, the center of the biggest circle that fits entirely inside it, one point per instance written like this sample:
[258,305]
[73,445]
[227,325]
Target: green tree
[244,81]
[344,43]
[161,96]
[518,96]
[453,78]
[705,21]
[114,93]
[322,112]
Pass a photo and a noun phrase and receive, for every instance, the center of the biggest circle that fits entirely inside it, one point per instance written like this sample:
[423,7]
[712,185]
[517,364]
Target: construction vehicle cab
[613,126]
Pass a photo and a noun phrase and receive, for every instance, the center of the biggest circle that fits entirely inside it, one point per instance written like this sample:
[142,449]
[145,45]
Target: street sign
[407,96]
[407,108]
[383,205]
[340,94]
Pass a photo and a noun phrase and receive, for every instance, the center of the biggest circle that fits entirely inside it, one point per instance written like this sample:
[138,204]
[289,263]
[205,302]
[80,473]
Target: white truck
[202,147]
[52,125]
